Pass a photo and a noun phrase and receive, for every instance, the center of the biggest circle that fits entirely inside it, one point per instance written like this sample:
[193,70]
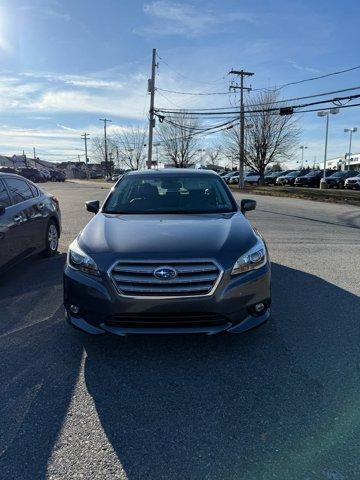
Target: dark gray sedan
[30,220]
[169,252]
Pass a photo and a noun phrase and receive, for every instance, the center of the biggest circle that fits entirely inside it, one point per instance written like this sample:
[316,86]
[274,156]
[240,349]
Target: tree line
[270,139]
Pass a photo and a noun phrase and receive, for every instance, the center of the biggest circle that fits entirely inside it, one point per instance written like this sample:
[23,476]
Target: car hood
[168,236]
[353,178]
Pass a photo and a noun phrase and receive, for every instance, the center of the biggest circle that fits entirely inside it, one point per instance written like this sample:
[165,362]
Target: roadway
[280,402]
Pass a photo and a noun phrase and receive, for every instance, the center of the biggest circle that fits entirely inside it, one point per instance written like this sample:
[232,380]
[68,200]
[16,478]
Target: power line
[187,78]
[191,93]
[339,72]
[309,79]
[269,103]
[273,109]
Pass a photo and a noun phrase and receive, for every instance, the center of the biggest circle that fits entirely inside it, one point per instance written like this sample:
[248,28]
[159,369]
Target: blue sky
[64,64]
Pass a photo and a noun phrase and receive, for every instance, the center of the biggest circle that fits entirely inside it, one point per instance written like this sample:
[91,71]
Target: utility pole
[105,120]
[85,136]
[110,163]
[34,154]
[241,87]
[151,90]
[25,159]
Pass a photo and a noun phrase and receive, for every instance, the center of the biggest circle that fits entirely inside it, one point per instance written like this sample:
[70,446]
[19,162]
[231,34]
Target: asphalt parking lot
[280,402]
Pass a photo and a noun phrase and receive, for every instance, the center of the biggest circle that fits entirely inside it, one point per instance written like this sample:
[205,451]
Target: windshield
[136,194]
[293,174]
[314,173]
[338,174]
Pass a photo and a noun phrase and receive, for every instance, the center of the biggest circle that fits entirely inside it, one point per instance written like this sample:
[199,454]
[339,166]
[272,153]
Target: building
[342,163]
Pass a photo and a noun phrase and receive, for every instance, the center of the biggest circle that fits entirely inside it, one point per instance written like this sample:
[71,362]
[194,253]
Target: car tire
[51,239]
[341,185]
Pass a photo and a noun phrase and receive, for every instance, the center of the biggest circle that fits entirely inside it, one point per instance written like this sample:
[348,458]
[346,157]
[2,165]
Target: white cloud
[303,68]
[49,93]
[45,12]
[76,80]
[172,18]
[64,127]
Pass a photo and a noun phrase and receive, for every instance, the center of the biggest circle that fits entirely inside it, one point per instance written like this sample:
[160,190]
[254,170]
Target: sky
[64,64]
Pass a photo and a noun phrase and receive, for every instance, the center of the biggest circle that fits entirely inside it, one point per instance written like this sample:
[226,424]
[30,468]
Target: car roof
[9,174]
[172,172]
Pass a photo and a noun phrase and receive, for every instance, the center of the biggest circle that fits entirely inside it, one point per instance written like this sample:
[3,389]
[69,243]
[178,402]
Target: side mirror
[93,206]
[2,209]
[247,204]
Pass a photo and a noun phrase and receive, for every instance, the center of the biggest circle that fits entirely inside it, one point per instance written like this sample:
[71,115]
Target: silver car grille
[193,278]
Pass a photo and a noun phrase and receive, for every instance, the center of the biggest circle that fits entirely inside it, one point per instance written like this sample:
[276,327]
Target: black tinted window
[4,197]
[19,190]
[169,194]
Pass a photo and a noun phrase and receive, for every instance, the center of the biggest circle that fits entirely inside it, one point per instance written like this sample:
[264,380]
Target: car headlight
[80,260]
[254,258]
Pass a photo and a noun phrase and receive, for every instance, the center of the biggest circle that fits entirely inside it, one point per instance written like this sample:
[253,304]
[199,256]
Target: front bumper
[230,308]
[352,186]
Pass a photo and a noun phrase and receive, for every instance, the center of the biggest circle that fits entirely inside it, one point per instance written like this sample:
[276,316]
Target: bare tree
[131,144]
[269,137]
[98,148]
[231,146]
[214,153]
[177,135]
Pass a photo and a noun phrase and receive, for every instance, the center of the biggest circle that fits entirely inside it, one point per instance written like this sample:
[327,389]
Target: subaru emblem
[165,273]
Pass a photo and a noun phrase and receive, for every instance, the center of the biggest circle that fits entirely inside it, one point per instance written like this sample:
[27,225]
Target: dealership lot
[278,402]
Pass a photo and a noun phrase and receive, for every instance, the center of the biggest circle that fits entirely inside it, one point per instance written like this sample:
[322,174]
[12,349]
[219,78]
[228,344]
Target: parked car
[269,175]
[290,177]
[8,170]
[57,176]
[32,174]
[168,252]
[271,179]
[30,220]
[353,183]
[234,179]
[46,174]
[337,179]
[252,178]
[312,179]
[229,175]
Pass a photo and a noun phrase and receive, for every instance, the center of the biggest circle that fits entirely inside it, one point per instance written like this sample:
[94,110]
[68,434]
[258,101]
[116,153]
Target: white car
[353,183]
[252,178]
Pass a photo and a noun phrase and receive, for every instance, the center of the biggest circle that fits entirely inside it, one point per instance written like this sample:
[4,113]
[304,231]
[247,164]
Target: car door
[25,215]
[8,247]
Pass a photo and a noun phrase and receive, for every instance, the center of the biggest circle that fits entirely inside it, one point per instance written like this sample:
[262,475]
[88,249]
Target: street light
[202,151]
[157,145]
[302,148]
[350,130]
[326,113]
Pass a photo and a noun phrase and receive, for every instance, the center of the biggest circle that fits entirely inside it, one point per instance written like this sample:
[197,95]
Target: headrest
[171,185]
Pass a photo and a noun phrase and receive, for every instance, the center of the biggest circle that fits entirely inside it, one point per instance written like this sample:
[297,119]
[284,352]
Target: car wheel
[51,239]
[341,185]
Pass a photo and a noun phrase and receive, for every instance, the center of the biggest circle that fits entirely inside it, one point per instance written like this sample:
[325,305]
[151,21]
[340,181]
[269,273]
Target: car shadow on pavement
[277,402]
[39,363]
